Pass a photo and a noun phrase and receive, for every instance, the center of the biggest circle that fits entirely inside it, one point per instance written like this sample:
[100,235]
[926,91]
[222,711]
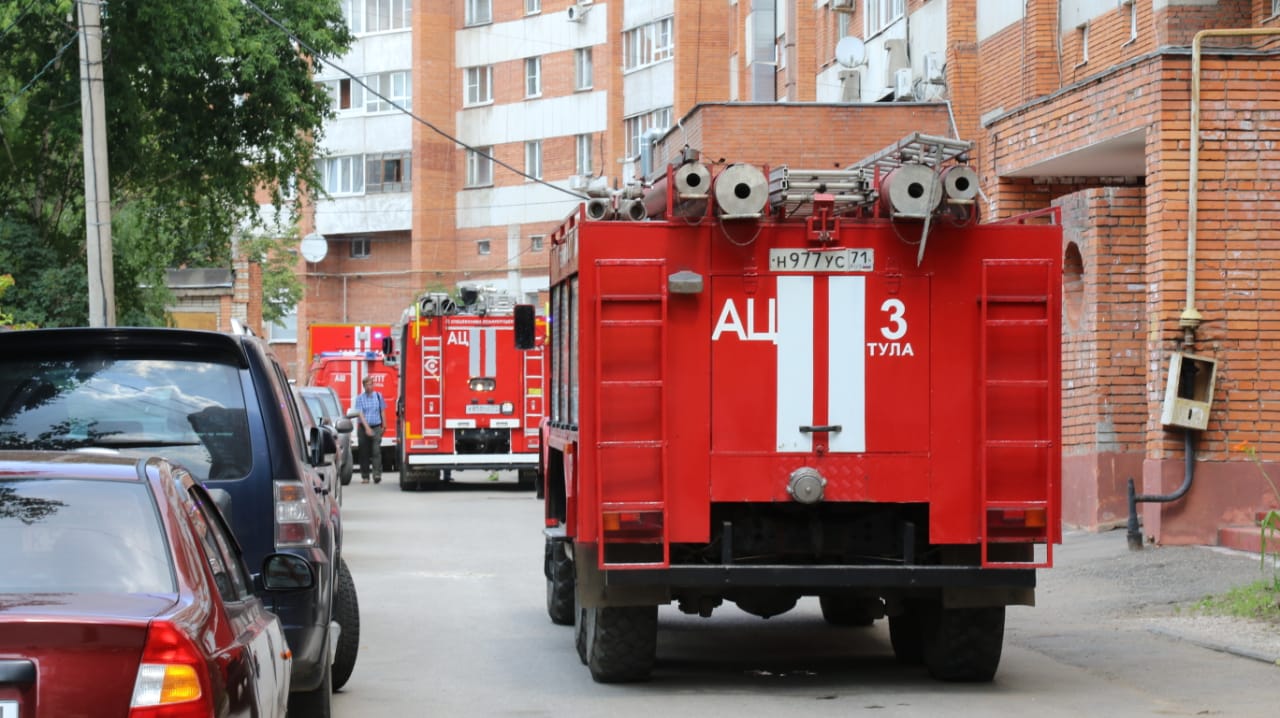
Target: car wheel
[315,703]
[346,611]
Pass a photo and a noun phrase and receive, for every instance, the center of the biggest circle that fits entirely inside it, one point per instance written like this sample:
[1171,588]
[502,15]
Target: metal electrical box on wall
[1188,396]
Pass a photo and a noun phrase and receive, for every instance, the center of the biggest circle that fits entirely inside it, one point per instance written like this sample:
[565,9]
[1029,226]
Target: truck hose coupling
[805,485]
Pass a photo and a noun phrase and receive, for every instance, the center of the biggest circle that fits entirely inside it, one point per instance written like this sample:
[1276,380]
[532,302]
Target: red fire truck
[467,398]
[785,383]
[342,355]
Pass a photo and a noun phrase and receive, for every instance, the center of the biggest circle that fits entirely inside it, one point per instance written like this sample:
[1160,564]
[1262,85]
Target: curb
[1215,646]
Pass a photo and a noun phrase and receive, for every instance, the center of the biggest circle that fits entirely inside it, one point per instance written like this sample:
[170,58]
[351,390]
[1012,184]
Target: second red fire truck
[342,355]
[782,383]
[467,399]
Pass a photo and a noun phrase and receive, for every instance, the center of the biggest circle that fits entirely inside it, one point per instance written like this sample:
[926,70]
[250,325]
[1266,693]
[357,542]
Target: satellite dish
[851,51]
[314,247]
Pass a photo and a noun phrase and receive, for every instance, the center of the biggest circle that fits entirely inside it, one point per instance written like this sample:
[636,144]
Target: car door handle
[20,672]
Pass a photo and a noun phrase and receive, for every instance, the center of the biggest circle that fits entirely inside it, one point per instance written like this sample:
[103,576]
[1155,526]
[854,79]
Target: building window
[532,7]
[284,329]
[387,172]
[395,86]
[533,159]
[645,45]
[582,73]
[382,15]
[479,12]
[482,247]
[583,164]
[343,94]
[882,14]
[352,14]
[480,167]
[343,175]
[478,85]
[533,76]
[535,242]
[635,127]
[360,248]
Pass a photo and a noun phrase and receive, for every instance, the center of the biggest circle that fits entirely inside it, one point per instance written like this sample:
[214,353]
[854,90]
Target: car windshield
[190,411]
[81,536]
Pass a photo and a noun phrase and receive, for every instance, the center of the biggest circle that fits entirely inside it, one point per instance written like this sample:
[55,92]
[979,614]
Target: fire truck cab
[781,383]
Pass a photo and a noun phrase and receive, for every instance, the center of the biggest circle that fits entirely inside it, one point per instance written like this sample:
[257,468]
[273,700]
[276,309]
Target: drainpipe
[1189,470]
[1191,318]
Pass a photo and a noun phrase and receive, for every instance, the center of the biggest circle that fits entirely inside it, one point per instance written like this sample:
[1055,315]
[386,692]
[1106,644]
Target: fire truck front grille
[482,441]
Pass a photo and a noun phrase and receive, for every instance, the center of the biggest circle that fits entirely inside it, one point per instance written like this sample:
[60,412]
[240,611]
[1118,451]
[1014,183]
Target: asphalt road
[453,623]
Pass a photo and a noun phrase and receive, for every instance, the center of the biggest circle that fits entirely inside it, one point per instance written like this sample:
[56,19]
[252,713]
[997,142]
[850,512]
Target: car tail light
[172,680]
[294,524]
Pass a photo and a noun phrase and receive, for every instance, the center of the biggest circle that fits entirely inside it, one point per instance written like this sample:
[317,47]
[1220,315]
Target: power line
[47,65]
[389,101]
[5,33]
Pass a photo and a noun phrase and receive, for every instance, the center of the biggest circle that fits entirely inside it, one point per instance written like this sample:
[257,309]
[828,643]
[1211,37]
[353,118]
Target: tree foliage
[207,102]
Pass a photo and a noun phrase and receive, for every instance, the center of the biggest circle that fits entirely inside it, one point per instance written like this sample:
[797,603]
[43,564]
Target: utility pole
[97,193]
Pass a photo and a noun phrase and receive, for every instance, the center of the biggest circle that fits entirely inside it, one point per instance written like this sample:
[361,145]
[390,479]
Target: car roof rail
[240,329]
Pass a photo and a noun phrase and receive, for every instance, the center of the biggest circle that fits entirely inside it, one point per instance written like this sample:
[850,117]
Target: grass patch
[1259,600]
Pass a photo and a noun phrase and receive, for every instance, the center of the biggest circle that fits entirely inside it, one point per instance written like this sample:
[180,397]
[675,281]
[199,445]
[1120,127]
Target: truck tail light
[635,525]
[294,525]
[1022,523]
[172,680]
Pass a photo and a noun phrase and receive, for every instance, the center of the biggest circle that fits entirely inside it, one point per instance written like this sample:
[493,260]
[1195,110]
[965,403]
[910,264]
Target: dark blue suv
[221,405]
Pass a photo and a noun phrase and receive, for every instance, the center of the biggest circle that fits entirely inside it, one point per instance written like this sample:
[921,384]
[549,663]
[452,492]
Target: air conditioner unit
[850,86]
[578,10]
[843,5]
[934,70]
[902,85]
[578,183]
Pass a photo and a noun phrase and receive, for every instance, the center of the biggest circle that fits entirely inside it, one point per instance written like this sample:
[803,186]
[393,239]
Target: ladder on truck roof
[631,468]
[1018,408]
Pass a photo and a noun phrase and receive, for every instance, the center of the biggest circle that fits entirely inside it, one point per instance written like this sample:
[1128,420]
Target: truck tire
[580,633]
[841,610]
[558,568]
[315,703]
[346,611]
[621,643]
[965,644]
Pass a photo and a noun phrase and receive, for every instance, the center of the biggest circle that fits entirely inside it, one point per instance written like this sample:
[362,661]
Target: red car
[124,593]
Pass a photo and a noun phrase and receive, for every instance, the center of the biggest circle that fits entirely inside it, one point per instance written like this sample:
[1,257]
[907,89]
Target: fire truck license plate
[483,409]
[822,260]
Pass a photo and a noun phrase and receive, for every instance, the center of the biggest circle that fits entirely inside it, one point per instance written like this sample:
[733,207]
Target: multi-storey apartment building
[1159,149]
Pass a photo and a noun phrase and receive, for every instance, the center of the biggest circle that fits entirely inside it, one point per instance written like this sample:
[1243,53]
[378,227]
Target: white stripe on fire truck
[491,352]
[795,363]
[847,380]
[473,346]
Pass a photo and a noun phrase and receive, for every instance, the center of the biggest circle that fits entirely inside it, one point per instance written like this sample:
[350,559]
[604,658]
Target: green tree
[207,102]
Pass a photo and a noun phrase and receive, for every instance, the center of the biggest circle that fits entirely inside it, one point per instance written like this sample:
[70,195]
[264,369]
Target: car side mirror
[344,426]
[287,572]
[525,324]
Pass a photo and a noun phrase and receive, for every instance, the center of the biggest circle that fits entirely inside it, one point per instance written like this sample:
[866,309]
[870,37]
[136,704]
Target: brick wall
[1104,399]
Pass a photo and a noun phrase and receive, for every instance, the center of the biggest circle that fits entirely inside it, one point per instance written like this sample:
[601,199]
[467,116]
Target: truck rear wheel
[527,478]
[621,642]
[964,644]
[580,633]
[558,568]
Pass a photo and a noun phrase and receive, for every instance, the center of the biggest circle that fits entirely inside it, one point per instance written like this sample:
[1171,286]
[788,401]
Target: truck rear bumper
[926,577]
[473,461]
